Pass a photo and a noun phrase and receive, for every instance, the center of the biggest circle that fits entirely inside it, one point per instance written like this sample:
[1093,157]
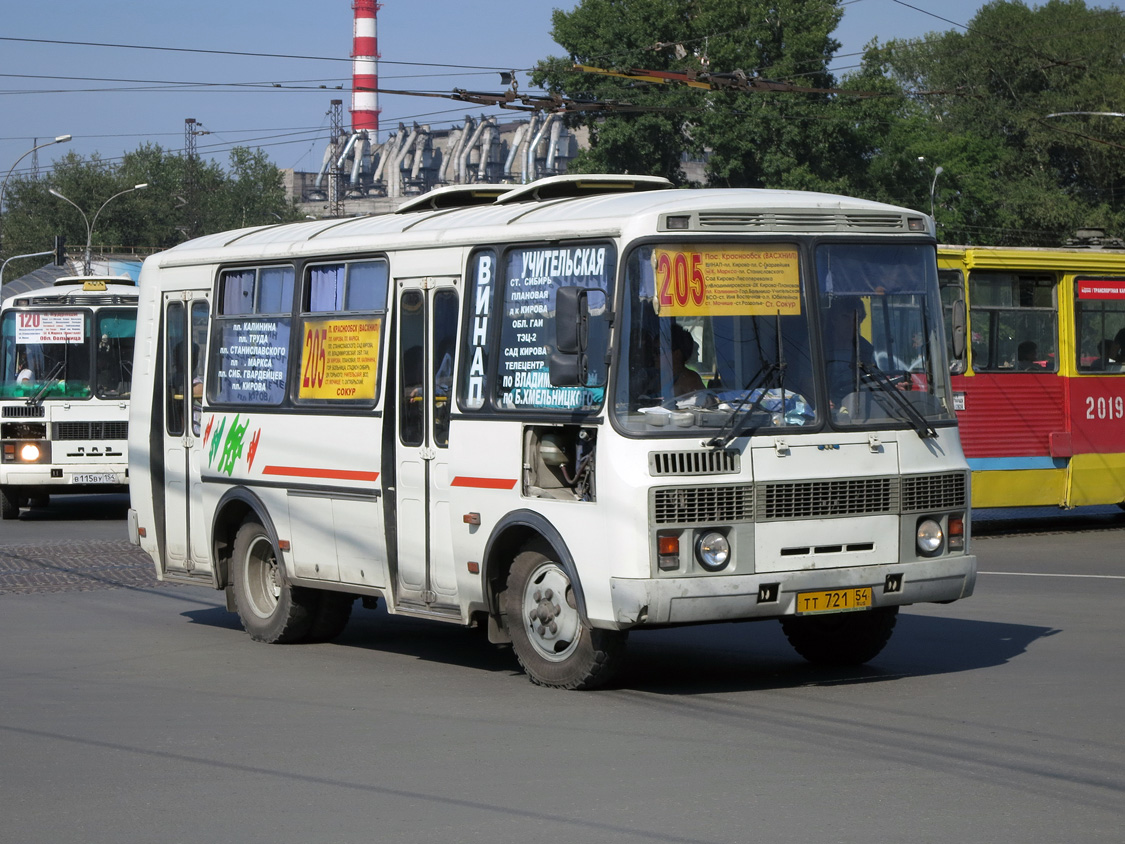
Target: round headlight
[930,537]
[29,453]
[712,550]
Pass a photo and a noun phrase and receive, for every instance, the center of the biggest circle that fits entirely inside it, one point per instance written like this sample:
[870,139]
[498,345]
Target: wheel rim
[550,614]
[263,587]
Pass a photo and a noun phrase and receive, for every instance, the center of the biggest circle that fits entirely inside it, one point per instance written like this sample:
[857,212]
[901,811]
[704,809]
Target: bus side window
[175,368]
[1014,322]
[412,384]
[445,348]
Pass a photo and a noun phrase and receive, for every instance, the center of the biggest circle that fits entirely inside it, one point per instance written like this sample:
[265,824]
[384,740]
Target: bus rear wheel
[271,610]
[848,638]
[554,646]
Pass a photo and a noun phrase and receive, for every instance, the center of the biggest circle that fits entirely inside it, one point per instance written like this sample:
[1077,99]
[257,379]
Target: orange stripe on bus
[308,472]
[484,483]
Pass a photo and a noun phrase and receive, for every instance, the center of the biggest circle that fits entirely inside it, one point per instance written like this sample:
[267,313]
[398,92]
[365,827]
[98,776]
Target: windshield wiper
[48,383]
[922,426]
[771,375]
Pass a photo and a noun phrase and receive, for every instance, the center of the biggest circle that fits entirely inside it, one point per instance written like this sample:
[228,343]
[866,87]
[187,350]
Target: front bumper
[688,600]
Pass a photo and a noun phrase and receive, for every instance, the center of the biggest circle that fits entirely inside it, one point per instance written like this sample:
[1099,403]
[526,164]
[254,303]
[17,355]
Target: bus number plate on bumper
[833,600]
[94,479]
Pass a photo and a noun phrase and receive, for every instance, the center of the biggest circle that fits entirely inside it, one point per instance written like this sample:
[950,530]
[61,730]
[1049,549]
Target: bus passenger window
[445,345]
[175,369]
[412,378]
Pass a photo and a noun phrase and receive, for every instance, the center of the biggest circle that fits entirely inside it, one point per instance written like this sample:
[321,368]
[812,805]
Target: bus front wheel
[848,638]
[551,641]
[270,610]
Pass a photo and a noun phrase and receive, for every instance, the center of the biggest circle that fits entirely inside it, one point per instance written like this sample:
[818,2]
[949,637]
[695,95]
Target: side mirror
[567,365]
[958,330]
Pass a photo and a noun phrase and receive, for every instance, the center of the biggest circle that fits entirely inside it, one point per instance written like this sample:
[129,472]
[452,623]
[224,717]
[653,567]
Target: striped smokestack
[365,69]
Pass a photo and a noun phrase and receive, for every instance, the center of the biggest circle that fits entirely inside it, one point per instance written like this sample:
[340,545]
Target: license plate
[93,479]
[833,600]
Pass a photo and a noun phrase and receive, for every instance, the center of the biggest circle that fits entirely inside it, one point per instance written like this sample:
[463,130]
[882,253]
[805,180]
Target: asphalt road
[137,712]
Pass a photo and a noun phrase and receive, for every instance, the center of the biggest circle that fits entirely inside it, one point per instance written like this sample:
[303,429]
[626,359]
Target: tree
[790,140]
[1012,175]
[184,199]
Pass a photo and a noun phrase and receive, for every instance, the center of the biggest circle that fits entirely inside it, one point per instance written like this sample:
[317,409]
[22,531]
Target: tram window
[1100,330]
[1013,322]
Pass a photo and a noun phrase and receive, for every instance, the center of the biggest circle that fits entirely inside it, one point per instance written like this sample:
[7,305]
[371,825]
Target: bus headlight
[29,453]
[929,537]
[712,550]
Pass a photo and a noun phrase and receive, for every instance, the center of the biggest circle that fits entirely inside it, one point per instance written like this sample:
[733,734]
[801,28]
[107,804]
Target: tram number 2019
[1105,407]
[680,276]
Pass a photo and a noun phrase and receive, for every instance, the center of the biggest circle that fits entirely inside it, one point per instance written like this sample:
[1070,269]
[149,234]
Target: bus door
[427,331]
[185,342]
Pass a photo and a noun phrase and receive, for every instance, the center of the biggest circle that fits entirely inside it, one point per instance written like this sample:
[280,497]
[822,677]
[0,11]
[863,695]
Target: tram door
[427,348]
[185,343]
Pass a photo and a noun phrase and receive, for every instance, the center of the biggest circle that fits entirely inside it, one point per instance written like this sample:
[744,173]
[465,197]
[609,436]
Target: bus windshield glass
[47,353]
[882,335]
[722,339]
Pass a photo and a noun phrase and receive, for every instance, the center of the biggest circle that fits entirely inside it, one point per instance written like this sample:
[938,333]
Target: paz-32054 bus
[67,357]
[562,411]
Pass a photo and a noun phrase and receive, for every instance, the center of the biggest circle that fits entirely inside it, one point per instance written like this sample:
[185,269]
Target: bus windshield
[67,354]
[722,339]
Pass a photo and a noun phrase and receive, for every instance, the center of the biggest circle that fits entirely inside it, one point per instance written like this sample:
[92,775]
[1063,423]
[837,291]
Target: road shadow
[1032,520]
[705,659]
[79,508]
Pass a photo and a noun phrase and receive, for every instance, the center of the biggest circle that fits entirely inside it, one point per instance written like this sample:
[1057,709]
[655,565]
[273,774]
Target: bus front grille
[24,411]
[934,492]
[703,504]
[827,498]
[91,430]
[710,462]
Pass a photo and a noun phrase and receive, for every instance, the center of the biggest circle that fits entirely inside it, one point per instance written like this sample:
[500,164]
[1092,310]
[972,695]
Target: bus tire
[271,610]
[330,615]
[848,638]
[553,644]
[9,503]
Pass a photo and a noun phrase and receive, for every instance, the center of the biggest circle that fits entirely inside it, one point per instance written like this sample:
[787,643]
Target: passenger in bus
[1106,361]
[684,380]
[842,341]
[1026,354]
[25,375]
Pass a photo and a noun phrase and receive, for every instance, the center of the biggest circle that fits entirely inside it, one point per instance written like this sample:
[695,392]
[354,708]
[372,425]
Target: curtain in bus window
[326,288]
[238,292]
[367,287]
[275,290]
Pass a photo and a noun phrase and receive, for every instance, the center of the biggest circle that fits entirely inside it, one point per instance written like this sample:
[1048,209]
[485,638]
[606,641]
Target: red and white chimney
[365,68]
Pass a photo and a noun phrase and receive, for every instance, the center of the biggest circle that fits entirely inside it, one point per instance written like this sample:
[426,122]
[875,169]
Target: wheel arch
[517,530]
[233,508]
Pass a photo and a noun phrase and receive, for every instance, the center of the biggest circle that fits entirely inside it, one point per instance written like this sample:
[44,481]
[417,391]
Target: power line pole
[336,174]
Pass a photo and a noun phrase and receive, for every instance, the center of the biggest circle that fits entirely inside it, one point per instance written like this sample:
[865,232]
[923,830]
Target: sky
[112,99]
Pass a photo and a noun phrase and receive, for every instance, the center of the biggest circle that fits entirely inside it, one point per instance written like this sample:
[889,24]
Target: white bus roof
[702,211]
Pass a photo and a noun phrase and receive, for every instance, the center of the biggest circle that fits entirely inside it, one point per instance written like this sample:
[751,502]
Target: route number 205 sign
[727,280]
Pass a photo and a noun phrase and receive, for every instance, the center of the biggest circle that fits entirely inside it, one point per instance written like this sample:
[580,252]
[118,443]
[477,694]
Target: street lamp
[61,139]
[90,223]
[937,172]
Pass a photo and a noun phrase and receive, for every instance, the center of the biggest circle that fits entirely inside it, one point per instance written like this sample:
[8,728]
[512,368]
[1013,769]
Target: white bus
[67,357]
[562,411]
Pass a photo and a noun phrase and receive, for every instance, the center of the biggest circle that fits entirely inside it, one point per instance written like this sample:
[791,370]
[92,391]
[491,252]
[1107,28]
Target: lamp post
[90,223]
[933,185]
[61,139]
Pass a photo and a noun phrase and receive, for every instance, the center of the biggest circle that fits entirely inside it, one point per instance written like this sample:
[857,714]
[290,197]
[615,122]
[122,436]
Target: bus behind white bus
[67,357]
[562,411]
